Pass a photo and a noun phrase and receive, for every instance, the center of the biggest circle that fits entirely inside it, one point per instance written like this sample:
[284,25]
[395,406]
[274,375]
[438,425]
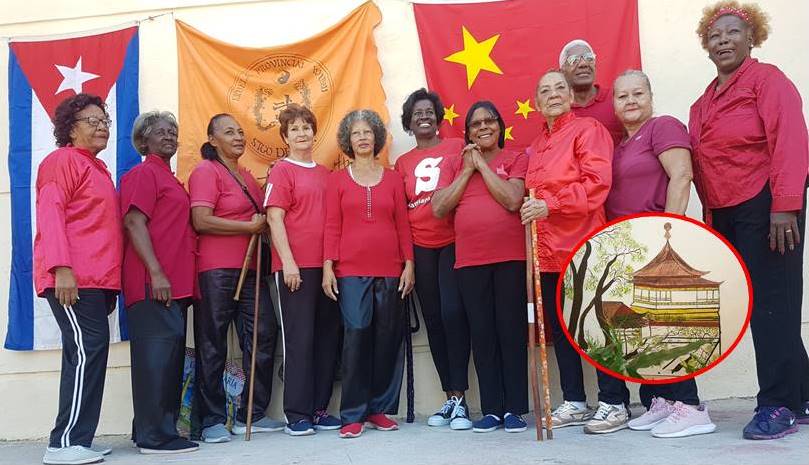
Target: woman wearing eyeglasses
[484,189]
[77,268]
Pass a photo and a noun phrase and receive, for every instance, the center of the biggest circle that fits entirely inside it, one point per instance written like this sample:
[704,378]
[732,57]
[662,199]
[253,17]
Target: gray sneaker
[568,414]
[71,455]
[101,449]
[608,418]
[215,434]
[265,425]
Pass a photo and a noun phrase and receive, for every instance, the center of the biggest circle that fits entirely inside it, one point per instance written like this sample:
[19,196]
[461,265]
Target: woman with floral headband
[750,156]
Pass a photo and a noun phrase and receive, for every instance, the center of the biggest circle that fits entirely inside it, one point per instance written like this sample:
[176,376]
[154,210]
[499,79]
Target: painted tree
[605,263]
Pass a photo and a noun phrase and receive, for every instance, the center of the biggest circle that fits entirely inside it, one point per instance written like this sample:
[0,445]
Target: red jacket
[78,224]
[570,168]
[749,132]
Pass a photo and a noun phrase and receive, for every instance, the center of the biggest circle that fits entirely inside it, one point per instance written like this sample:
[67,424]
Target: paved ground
[420,444]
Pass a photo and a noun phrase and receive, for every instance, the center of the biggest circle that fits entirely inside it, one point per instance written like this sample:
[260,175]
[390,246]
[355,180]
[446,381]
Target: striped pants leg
[85,345]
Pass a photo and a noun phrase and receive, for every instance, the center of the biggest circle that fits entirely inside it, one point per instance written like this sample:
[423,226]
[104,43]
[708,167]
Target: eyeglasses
[588,57]
[482,122]
[94,122]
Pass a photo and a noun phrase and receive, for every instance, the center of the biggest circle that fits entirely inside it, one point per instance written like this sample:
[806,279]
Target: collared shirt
[421,170]
[78,225]
[367,232]
[300,190]
[211,185]
[485,232]
[750,131]
[601,108]
[152,189]
[639,181]
[570,168]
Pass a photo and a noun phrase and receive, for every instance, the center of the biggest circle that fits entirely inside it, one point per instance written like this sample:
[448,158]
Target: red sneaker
[381,422]
[351,430]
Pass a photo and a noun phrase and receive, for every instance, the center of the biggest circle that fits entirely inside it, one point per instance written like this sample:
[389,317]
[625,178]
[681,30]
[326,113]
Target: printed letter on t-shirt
[427,173]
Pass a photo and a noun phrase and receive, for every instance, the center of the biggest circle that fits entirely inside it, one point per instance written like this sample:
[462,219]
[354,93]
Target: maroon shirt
[639,181]
[602,110]
[367,231]
[78,224]
[749,132]
[152,189]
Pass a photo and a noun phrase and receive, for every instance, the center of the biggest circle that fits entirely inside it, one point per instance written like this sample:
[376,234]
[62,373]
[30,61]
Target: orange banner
[331,73]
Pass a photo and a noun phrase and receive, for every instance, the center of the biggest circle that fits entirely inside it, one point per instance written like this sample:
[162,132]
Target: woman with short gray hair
[368,268]
[158,281]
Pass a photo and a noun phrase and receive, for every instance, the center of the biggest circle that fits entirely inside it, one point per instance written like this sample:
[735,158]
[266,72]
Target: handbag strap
[243,186]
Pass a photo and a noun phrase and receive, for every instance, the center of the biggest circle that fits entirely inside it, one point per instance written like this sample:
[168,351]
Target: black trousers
[610,390]
[781,363]
[684,391]
[495,302]
[157,351]
[444,315]
[216,311]
[374,322]
[310,331]
[85,345]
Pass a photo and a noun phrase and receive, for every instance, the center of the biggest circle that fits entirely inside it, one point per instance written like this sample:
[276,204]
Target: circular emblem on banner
[271,84]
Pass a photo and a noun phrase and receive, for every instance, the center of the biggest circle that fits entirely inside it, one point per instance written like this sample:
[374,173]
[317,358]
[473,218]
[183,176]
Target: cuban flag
[42,73]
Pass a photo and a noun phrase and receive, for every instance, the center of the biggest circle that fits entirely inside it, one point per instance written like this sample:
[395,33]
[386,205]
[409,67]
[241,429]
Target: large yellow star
[508,135]
[449,114]
[475,56]
[523,108]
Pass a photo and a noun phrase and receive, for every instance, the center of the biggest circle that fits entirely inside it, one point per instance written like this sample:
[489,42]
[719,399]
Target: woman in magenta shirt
[368,270]
[225,211]
[434,251]
[751,154]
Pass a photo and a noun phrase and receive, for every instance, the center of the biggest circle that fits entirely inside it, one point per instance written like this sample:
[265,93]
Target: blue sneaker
[300,428]
[514,423]
[322,421]
[771,423]
[802,414]
[487,424]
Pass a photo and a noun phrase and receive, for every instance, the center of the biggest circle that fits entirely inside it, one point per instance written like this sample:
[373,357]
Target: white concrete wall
[671,55]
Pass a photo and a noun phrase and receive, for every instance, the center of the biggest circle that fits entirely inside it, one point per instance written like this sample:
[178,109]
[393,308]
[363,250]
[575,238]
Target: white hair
[568,46]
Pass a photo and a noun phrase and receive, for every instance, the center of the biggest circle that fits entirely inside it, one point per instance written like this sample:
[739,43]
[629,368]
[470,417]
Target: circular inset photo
[655,298]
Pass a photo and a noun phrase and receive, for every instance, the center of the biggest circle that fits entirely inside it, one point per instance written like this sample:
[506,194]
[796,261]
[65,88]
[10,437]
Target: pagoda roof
[668,269]
[619,315]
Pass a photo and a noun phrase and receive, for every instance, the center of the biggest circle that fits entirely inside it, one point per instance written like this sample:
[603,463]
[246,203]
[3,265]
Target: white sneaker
[685,420]
[569,414]
[443,416]
[607,419]
[71,455]
[658,411]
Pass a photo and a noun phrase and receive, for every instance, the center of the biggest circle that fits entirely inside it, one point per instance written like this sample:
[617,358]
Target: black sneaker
[443,416]
[802,414]
[175,446]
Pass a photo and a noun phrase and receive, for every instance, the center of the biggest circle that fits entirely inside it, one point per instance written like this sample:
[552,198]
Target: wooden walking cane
[543,349]
[248,257]
[255,340]
[532,355]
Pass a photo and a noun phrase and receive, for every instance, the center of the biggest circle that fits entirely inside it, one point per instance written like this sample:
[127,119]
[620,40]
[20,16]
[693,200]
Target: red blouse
[749,132]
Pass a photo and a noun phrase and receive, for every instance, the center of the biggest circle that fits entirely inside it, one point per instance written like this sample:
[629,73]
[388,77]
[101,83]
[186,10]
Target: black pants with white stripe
[310,331]
[85,344]
[157,350]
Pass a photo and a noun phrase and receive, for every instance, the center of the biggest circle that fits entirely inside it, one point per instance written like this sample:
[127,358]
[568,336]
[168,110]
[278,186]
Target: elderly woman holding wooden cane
[570,171]
[225,212]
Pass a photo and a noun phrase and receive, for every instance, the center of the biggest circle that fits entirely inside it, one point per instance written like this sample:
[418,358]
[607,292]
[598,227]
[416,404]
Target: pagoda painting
[679,306]
[648,319]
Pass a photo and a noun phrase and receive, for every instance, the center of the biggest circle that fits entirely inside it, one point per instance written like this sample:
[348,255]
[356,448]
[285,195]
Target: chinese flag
[331,73]
[497,51]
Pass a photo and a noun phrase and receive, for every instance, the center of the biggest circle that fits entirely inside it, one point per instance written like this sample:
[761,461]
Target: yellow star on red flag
[475,56]
[449,114]
[523,108]
[508,135]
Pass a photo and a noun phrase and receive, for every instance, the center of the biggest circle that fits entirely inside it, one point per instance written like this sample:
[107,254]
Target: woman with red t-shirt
[484,189]
[368,270]
[295,200]
[434,250]
[225,212]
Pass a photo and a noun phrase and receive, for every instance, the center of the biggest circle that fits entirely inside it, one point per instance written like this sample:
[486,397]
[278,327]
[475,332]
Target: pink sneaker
[685,420]
[658,411]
